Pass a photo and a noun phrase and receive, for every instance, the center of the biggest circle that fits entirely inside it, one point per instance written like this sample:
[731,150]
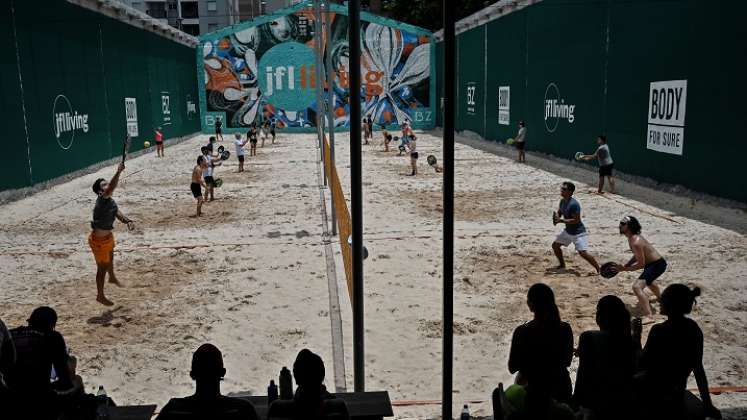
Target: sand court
[251,275]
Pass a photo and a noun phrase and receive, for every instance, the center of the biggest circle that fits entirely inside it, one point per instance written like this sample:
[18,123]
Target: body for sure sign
[666,116]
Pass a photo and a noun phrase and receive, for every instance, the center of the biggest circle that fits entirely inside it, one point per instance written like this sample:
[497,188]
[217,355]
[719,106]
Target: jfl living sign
[666,116]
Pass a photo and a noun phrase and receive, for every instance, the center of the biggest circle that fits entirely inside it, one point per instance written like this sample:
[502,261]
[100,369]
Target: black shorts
[272,132]
[209,181]
[414,155]
[218,131]
[241,158]
[159,143]
[196,189]
[653,270]
[253,141]
[520,145]
[606,170]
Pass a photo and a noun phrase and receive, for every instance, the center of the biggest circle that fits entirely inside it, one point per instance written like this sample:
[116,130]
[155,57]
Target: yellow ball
[146,144]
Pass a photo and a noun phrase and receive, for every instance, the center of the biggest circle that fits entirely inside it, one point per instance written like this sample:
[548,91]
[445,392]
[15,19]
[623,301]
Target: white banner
[504,105]
[667,102]
[131,116]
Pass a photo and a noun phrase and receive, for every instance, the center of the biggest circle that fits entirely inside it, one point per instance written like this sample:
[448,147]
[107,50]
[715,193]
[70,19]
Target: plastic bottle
[465,413]
[272,393]
[102,410]
[286,384]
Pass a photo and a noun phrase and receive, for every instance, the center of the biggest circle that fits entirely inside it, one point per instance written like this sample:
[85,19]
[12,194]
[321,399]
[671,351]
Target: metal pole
[448,144]
[356,193]
[318,78]
[330,100]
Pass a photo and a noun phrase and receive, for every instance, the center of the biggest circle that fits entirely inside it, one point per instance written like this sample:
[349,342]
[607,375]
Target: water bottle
[272,393]
[102,411]
[286,384]
[465,413]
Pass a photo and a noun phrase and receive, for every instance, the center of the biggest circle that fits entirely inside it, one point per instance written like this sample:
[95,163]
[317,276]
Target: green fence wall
[72,62]
[597,60]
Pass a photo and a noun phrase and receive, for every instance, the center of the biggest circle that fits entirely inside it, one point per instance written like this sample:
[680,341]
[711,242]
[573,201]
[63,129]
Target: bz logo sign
[471,95]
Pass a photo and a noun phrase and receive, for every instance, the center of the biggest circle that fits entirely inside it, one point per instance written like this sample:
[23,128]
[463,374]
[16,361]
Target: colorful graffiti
[267,71]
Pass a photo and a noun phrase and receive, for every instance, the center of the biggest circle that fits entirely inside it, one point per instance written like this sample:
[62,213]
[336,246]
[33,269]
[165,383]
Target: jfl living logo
[556,109]
[66,121]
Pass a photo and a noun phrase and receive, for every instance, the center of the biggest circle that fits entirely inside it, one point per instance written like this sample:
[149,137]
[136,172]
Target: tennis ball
[146,144]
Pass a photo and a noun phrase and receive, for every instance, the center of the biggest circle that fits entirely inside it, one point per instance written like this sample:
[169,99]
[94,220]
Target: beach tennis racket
[554,218]
[126,147]
[608,270]
[221,149]
[218,182]
[579,155]
[431,160]
[224,155]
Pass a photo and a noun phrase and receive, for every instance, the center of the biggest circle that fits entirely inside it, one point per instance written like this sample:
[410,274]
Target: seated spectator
[38,348]
[542,349]
[207,402]
[514,404]
[311,400]
[607,359]
[7,359]
[674,349]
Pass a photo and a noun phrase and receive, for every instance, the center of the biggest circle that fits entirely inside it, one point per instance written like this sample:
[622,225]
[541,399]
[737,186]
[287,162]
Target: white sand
[252,278]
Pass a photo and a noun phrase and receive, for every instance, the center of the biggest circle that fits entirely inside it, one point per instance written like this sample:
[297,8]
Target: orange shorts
[102,247]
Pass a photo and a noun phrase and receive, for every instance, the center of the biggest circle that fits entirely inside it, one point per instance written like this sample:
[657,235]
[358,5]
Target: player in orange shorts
[101,238]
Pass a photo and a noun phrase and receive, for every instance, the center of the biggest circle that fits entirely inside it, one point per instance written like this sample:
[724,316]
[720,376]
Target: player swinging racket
[101,239]
[605,163]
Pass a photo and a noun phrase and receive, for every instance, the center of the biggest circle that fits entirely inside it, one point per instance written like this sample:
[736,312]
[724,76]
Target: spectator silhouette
[542,349]
[7,360]
[207,402]
[607,360]
[38,348]
[311,400]
[674,349]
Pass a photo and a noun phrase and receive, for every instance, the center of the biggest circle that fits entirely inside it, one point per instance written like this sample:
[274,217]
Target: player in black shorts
[198,183]
[252,134]
[219,129]
[645,257]
[412,145]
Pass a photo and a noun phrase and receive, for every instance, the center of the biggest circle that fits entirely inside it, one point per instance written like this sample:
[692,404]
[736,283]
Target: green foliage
[428,13]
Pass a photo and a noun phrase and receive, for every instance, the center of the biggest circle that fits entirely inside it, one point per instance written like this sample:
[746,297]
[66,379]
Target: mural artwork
[268,72]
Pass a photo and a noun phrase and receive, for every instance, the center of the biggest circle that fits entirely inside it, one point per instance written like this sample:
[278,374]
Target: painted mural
[267,72]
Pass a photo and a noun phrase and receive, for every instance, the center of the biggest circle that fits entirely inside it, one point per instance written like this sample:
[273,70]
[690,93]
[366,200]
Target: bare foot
[113,280]
[104,301]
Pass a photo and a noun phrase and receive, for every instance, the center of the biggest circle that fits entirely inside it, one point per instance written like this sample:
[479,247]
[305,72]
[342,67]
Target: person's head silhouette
[541,301]
[613,316]
[207,369]
[678,299]
[308,369]
[43,318]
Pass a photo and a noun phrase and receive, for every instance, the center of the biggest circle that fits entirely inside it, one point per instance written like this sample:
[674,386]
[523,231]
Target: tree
[427,13]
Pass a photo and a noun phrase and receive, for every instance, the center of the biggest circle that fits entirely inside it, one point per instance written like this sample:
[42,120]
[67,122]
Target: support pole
[330,99]
[448,206]
[318,76]
[356,194]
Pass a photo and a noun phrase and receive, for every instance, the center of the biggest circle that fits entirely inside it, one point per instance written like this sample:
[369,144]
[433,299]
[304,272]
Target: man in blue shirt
[569,213]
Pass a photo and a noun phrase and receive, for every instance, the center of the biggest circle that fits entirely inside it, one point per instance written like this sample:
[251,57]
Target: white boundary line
[23,94]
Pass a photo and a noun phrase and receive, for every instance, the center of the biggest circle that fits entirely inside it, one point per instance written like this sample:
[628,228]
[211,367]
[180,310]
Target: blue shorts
[653,270]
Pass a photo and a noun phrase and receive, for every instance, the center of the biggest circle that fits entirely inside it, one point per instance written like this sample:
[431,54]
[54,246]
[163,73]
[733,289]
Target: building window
[191,29]
[189,10]
[212,27]
[156,9]
[212,6]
